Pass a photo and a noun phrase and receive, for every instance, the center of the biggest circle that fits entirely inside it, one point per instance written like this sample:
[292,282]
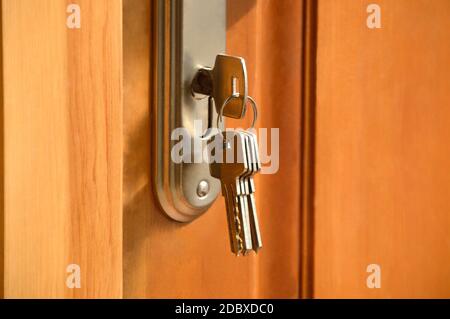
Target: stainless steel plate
[189,35]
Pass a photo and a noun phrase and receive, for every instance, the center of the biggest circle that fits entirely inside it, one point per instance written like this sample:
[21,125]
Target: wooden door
[163,258]
[363,179]
[76,168]
[382,193]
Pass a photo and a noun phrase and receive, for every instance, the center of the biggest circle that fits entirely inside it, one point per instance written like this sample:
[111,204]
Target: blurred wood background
[382,167]
[62,149]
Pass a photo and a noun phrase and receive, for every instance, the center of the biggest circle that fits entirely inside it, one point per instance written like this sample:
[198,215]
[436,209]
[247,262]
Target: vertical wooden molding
[308,124]
[2,173]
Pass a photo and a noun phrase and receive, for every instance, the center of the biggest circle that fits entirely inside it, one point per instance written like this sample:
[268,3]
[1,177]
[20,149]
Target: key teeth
[247,253]
[257,249]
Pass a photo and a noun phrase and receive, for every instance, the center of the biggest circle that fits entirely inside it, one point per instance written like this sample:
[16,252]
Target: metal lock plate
[189,35]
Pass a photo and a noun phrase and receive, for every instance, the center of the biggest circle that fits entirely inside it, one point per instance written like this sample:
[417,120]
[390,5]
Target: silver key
[243,196]
[243,204]
[233,163]
[256,168]
[249,187]
[227,78]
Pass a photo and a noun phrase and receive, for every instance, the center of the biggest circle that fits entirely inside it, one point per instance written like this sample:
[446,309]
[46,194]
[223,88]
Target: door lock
[186,90]
[189,34]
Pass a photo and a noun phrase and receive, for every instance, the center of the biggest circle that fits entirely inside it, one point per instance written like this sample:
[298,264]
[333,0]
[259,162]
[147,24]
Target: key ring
[254,106]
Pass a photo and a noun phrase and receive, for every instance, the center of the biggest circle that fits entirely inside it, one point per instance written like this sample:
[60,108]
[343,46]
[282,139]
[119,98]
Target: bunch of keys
[237,161]
[236,152]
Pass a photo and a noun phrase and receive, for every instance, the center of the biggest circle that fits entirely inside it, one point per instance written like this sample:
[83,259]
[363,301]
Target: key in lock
[228,78]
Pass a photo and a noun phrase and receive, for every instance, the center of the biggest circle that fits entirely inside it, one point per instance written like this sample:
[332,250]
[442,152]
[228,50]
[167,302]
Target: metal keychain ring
[254,106]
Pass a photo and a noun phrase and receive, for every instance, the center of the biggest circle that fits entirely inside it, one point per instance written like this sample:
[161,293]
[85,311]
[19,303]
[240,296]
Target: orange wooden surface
[383,159]
[166,259]
[364,174]
[62,148]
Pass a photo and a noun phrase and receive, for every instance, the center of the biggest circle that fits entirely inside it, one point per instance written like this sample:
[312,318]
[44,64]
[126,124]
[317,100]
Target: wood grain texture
[62,148]
[166,259]
[383,161]
[269,37]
